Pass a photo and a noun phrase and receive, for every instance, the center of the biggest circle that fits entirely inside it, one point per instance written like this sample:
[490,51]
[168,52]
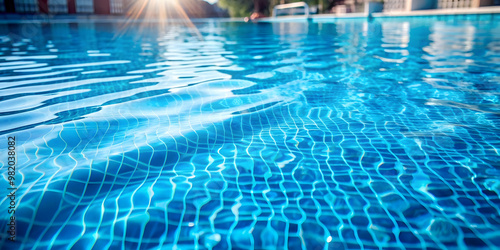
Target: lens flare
[159,13]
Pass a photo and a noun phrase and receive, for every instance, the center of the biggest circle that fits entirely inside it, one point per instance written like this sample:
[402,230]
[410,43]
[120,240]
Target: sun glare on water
[160,13]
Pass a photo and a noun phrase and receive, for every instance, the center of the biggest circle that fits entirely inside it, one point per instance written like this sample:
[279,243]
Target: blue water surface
[346,135]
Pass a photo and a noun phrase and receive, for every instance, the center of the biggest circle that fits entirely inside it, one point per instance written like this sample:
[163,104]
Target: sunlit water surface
[268,136]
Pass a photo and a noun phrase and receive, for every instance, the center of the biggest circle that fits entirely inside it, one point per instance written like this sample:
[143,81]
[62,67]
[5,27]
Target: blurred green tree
[241,8]
[238,8]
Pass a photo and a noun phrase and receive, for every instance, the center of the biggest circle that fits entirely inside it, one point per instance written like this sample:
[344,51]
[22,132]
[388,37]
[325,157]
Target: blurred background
[216,8]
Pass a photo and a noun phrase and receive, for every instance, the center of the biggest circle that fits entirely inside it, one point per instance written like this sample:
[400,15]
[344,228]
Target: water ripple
[269,136]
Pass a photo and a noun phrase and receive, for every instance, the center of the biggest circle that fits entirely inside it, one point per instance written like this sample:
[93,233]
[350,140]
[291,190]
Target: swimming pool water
[346,135]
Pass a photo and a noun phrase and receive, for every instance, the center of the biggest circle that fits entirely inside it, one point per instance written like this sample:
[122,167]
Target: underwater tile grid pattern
[346,135]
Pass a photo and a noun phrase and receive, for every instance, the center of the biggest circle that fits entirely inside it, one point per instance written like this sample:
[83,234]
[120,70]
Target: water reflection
[269,135]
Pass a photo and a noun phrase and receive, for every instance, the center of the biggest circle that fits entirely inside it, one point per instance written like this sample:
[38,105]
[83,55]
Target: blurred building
[193,8]
[409,5]
[349,6]
[63,6]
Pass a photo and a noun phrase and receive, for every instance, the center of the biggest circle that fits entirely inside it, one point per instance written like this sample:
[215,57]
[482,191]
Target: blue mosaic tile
[346,135]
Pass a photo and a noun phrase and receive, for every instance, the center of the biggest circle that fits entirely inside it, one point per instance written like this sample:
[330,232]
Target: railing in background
[116,6]
[26,6]
[290,6]
[58,6]
[84,6]
[63,6]
[455,4]
[394,5]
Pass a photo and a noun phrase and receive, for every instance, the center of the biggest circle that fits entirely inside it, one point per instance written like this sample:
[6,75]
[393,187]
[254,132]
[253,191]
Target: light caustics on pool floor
[269,136]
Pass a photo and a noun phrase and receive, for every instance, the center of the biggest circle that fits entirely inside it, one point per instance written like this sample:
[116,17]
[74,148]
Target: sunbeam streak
[160,13]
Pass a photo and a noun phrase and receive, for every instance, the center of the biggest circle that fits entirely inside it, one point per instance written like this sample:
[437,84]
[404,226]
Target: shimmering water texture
[339,135]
